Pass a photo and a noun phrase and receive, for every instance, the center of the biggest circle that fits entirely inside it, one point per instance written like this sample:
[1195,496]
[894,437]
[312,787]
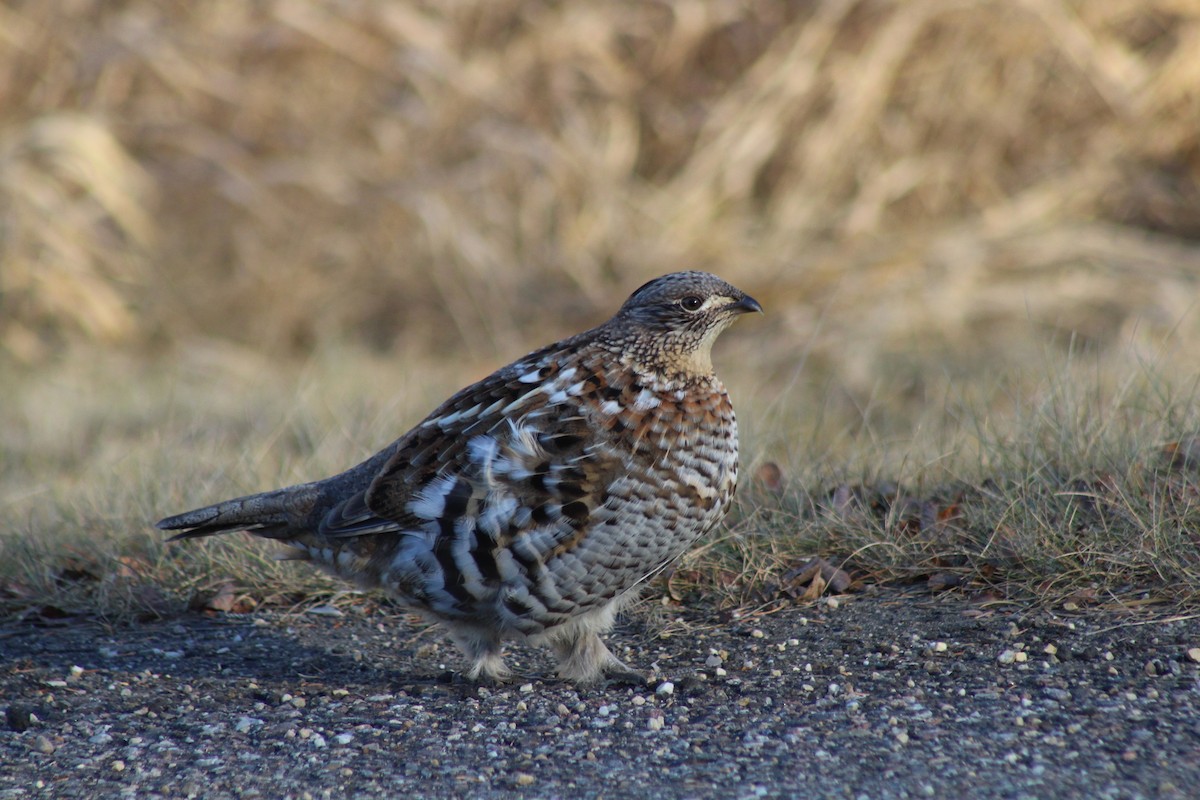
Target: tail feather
[272,515]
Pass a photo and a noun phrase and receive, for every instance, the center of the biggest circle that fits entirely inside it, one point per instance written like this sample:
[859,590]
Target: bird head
[671,323]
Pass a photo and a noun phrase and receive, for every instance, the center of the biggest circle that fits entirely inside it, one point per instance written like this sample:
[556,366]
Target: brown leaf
[803,574]
[224,599]
[1183,454]
[842,501]
[941,581]
[838,579]
[130,567]
[1083,597]
[949,513]
[770,476]
[815,589]
[677,583]
[812,571]
[244,604]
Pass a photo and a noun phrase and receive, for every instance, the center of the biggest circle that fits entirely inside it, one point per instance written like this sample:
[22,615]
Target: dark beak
[746,305]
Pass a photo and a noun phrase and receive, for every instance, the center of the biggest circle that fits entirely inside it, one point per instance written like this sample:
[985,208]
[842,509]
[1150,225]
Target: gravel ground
[876,696]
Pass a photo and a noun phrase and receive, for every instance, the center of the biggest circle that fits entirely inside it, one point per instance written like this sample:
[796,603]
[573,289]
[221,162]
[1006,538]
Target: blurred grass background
[245,243]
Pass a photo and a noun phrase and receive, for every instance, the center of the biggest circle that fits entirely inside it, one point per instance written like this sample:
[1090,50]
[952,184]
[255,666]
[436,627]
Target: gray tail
[270,514]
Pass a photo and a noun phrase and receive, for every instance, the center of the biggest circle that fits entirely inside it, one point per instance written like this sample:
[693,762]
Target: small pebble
[655,723]
[1007,657]
[343,738]
[43,745]
[1193,654]
[757,634]
[118,765]
[665,688]
[524,779]
[244,724]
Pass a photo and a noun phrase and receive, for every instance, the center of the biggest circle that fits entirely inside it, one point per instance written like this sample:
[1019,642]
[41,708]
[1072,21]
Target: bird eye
[691,303]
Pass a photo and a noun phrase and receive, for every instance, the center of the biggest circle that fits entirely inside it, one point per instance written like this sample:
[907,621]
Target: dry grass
[895,174]
[973,225]
[1060,485]
[1076,488]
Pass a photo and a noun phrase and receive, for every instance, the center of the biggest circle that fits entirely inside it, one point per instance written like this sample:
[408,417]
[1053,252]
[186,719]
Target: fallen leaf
[803,574]
[809,572]
[1183,454]
[815,589]
[941,581]
[225,599]
[1083,597]
[841,502]
[770,476]
[130,567]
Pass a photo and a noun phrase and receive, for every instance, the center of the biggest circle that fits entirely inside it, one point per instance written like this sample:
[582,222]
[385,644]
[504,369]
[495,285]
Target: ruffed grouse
[534,503]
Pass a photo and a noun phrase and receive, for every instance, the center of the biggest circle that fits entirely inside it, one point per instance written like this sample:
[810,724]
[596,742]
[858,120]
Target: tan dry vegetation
[292,226]
[952,176]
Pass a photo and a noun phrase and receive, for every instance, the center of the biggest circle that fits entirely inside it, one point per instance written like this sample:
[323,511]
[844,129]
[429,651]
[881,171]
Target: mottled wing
[490,487]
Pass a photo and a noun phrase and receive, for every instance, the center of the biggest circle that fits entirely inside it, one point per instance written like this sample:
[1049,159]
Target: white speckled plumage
[535,502]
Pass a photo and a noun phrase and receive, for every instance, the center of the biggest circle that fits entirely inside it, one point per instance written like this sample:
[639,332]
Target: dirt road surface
[876,696]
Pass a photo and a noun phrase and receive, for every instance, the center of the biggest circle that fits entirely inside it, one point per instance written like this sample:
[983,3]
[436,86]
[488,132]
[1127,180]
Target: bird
[534,504]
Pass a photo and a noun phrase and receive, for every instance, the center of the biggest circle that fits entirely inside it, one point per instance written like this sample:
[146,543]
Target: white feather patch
[520,401]
[646,400]
[497,516]
[523,440]
[430,503]
[483,450]
[533,376]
